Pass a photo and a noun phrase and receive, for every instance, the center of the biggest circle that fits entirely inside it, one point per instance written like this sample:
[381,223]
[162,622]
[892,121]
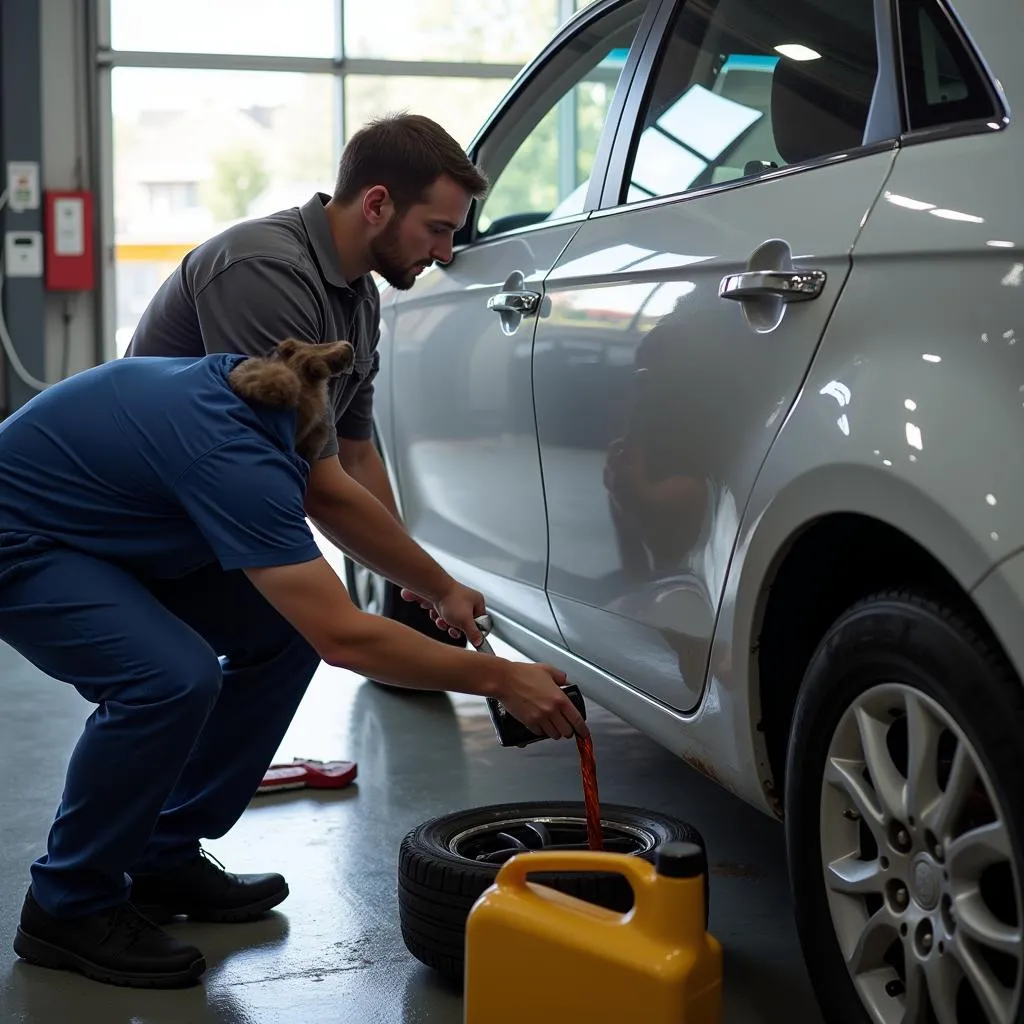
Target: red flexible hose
[588,771]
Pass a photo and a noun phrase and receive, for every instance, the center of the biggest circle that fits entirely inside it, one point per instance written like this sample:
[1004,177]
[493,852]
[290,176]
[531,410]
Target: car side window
[744,86]
[540,156]
[942,80]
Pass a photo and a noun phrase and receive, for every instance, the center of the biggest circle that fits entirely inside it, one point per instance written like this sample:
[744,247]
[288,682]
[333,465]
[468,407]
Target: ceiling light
[797,51]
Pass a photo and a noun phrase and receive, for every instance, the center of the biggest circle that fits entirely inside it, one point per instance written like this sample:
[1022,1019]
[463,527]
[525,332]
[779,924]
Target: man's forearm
[357,522]
[363,463]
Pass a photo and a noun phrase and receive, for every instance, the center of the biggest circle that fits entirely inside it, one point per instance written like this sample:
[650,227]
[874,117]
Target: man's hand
[529,695]
[455,611]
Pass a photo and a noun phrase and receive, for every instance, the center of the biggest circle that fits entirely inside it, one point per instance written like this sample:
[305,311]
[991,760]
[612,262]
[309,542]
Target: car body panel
[944,470]
[716,739]
[910,420]
[465,443]
[383,408]
[465,446]
[657,401]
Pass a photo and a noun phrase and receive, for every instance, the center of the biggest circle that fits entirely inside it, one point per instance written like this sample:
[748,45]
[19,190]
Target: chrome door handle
[788,285]
[521,302]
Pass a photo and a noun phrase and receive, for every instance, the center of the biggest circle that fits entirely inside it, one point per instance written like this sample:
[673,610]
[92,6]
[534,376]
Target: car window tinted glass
[744,86]
[943,82]
[540,155]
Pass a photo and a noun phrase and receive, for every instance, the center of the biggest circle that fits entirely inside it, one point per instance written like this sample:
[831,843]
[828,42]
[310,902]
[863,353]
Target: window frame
[954,129]
[883,128]
[538,75]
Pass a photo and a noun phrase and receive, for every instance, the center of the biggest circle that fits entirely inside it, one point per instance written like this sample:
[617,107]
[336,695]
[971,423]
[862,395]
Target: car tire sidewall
[896,640]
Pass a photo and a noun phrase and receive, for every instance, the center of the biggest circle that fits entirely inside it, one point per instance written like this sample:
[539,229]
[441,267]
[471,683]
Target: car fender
[911,420]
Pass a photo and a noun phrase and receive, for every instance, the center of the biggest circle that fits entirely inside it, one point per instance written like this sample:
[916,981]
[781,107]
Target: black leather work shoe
[117,946]
[203,891]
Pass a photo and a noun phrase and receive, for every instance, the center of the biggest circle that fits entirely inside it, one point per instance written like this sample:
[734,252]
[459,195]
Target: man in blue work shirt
[153,517]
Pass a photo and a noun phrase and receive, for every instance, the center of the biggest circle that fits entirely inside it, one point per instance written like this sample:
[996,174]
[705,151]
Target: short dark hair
[406,153]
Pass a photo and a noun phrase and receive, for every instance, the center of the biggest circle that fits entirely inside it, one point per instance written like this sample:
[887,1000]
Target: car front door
[683,315]
[464,437]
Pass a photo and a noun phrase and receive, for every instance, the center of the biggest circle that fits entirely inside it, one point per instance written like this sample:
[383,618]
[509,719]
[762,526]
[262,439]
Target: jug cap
[680,860]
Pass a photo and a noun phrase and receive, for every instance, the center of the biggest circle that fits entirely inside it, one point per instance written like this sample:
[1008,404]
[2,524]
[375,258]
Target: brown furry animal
[294,376]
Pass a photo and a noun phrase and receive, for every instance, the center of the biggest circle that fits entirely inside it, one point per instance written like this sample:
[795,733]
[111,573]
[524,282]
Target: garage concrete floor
[333,953]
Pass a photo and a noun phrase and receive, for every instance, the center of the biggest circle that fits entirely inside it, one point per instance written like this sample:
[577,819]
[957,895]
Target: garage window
[744,86]
[943,83]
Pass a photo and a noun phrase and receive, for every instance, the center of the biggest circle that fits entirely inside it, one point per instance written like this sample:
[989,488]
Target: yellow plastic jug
[535,954]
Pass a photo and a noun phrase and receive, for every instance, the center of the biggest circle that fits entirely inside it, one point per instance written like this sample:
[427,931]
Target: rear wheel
[905,820]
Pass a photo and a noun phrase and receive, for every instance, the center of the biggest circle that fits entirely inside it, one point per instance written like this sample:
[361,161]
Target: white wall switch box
[22,185]
[23,254]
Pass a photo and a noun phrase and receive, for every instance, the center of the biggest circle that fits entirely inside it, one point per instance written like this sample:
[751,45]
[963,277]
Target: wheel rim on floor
[918,864]
[496,842]
[370,589]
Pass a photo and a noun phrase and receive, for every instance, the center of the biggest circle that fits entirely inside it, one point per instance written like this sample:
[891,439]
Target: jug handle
[640,874]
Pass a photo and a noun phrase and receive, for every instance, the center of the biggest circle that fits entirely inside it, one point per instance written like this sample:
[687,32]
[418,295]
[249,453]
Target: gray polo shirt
[264,280]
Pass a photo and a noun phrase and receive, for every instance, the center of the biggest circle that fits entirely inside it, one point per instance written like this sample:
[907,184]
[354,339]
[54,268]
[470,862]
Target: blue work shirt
[154,463]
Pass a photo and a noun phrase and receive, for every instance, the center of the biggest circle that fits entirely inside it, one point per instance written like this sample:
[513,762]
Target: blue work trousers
[195,680]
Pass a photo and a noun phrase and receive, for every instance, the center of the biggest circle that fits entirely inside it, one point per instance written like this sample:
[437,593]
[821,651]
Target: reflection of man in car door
[655,473]
[664,500]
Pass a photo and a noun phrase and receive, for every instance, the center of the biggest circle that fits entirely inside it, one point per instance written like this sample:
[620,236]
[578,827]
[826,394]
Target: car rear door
[464,441]
[683,315]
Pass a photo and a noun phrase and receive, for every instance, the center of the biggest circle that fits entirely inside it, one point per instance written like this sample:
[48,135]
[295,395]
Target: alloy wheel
[921,878]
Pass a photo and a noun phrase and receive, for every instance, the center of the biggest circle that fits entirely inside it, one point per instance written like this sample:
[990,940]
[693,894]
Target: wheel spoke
[846,776]
[943,974]
[995,999]
[915,999]
[854,877]
[923,732]
[963,774]
[878,935]
[977,922]
[971,853]
[885,777]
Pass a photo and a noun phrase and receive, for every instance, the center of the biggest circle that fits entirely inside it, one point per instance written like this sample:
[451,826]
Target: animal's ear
[339,356]
[287,349]
[314,370]
[323,361]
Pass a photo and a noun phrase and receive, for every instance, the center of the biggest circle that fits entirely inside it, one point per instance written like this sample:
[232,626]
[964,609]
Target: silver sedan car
[717,402]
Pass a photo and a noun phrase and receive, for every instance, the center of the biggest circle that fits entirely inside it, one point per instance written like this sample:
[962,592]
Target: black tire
[437,887]
[921,647]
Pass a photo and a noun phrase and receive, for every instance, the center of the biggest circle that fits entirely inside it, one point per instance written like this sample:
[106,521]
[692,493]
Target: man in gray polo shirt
[404,188]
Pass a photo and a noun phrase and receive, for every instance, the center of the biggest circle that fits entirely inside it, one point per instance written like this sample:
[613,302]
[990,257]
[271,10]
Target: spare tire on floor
[446,864]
